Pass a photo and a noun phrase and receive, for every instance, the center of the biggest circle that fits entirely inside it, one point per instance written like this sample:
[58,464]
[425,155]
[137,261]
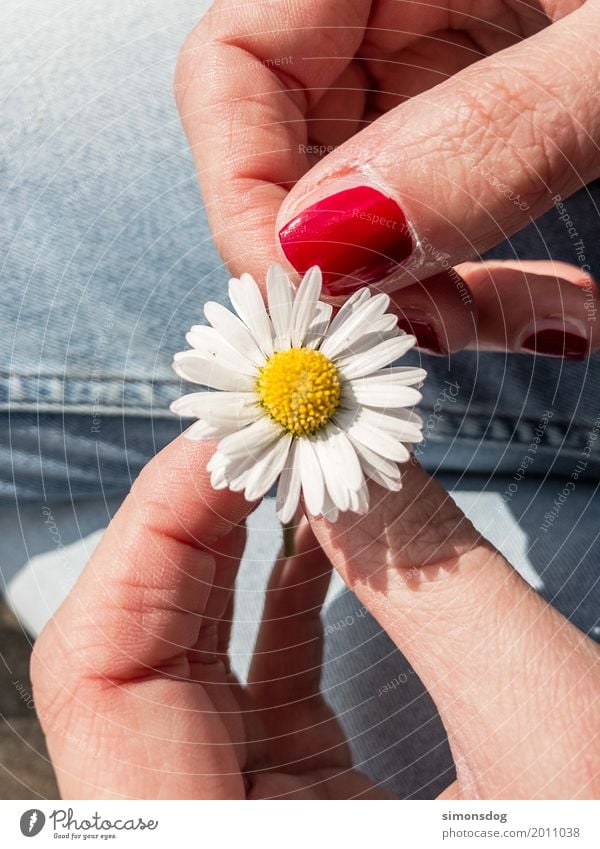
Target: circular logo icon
[32,822]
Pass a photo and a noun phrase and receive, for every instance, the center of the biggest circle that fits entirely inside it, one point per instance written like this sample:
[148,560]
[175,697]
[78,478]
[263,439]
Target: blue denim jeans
[106,260]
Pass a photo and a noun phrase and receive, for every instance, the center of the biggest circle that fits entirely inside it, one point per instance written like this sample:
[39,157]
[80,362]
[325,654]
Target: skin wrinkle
[555,147]
[407,524]
[461,707]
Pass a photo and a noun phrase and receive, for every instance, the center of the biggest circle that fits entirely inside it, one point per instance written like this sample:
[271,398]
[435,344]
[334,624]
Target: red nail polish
[357,237]
[557,343]
[427,338]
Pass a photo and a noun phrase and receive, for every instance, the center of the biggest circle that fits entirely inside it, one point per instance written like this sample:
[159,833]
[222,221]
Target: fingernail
[358,237]
[556,342]
[424,331]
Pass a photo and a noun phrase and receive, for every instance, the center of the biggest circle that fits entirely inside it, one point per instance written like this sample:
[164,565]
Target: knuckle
[500,133]
[184,70]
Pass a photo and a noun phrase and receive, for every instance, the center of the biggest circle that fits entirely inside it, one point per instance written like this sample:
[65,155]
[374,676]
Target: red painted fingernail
[557,343]
[357,237]
[427,338]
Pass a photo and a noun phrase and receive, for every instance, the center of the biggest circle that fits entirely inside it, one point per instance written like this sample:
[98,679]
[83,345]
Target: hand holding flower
[133,685]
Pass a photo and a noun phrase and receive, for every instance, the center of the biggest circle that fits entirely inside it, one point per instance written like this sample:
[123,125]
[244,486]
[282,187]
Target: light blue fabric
[106,260]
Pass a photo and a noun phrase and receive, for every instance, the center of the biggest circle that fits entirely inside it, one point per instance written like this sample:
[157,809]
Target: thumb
[512,679]
[453,171]
[111,670]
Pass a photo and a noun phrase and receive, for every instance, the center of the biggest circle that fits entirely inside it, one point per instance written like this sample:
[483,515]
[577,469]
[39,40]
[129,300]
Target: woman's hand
[454,130]
[132,680]
[134,690]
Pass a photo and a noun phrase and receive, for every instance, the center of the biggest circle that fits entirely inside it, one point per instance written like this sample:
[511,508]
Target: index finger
[244,84]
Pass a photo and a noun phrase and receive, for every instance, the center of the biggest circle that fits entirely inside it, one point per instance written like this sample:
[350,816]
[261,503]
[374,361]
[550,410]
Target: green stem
[289,546]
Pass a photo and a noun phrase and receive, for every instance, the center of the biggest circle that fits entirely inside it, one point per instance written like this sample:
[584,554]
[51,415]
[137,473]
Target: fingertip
[173,496]
[439,311]
[535,307]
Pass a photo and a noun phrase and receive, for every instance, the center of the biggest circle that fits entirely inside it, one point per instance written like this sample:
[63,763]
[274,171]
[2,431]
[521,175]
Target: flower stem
[289,546]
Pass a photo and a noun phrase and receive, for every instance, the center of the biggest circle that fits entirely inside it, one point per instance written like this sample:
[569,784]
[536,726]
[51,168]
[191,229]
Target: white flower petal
[399,422]
[267,470]
[359,500]
[348,308]
[238,469]
[344,456]
[280,296]
[248,302]
[184,406]
[393,484]
[365,343]
[365,440]
[372,461]
[218,479]
[336,486]
[377,439]
[233,329]
[217,461]
[382,328]
[318,326]
[305,305]
[356,325]
[313,485]
[201,432]
[252,440]
[385,324]
[376,468]
[378,392]
[385,327]
[210,345]
[288,491]
[219,406]
[406,375]
[381,355]
[329,511]
[196,369]
[238,483]
[403,425]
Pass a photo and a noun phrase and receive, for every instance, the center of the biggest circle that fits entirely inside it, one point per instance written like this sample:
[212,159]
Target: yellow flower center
[300,389]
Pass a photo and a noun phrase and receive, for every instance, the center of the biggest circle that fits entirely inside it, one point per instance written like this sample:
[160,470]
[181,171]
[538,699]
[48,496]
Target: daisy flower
[301,396]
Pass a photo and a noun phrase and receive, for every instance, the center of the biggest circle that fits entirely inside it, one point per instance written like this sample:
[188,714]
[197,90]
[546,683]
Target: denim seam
[51,393]
[132,396]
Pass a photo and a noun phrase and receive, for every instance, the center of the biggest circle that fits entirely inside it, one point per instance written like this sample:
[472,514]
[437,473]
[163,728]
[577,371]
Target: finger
[139,602]
[217,617]
[111,671]
[512,679]
[440,312]
[530,307]
[454,170]
[286,665]
[547,308]
[244,88]
[300,731]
